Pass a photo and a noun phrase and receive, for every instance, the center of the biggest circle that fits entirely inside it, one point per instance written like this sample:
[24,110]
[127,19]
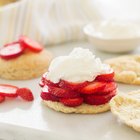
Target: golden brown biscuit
[127,108]
[127,68]
[28,65]
[83,109]
[5,2]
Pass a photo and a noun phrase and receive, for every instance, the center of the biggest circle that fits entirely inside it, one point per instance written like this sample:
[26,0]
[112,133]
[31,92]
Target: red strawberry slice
[2,99]
[109,87]
[105,77]
[71,85]
[25,94]
[41,84]
[99,100]
[101,93]
[11,51]
[72,102]
[13,43]
[30,44]
[49,83]
[45,95]
[8,90]
[49,97]
[59,92]
[93,87]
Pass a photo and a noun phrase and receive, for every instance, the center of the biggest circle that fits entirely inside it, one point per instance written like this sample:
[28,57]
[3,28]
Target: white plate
[20,120]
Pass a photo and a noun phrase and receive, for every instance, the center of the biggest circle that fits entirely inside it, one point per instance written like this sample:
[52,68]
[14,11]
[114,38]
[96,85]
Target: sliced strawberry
[8,90]
[2,99]
[102,93]
[99,100]
[72,102]
[59,92]
[109,87]
[30,44]
[49,83]
[45,95]
[93,87]
[71,85]
[11,51]
[25,94]
[41,84]
[105,77]
[48,96]
[13,43]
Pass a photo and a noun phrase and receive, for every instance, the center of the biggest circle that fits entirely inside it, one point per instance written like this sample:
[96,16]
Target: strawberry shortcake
[78,83]
[23,59]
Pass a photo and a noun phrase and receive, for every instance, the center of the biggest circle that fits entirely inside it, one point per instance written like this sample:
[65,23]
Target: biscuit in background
[127,69]
[27,66]
[127,108]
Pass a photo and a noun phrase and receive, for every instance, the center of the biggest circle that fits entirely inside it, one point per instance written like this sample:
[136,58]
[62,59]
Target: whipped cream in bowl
[113,36]
[79,66]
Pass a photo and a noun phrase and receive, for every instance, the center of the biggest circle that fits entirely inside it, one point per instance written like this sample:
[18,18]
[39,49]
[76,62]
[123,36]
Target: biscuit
[127,69]
[127,108]
[27,66]
[82,109]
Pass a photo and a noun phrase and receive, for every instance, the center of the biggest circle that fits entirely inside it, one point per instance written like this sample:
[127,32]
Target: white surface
[111,36]
[20,120]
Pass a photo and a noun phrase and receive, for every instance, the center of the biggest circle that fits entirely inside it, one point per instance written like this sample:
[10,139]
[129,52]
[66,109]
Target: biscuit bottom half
[127,108]
[82,109]
[27,66]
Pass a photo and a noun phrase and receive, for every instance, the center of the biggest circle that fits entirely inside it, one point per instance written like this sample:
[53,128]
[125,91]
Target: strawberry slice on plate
[105,77]
[59,92]
[25,94]
[2,99]
[8,90]
[30,44]
[93,87]
[71,85]
[99,100]
[11,51]
[72,102]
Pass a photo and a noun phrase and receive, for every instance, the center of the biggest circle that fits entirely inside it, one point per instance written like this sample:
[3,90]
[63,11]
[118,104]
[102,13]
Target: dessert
[23,59]
[78,83]
[127,69]
[127,108]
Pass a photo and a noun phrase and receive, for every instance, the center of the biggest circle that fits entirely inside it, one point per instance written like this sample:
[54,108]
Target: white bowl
[112,36]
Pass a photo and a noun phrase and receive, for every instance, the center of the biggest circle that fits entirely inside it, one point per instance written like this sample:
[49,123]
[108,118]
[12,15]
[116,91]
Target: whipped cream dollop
[79,66]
